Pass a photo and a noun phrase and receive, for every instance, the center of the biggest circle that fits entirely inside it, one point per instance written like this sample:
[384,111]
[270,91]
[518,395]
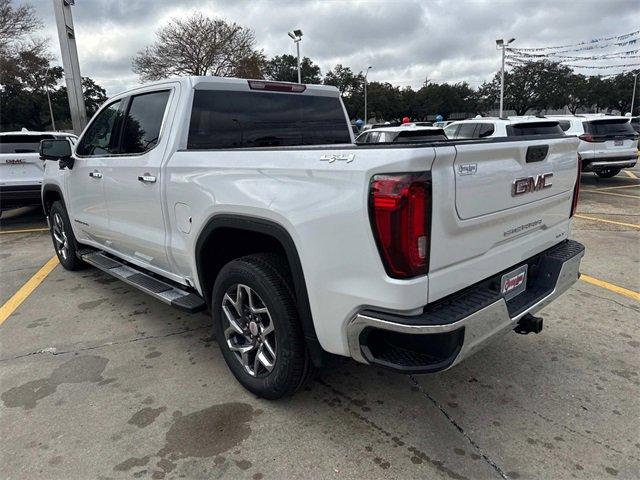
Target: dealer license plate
[514,282]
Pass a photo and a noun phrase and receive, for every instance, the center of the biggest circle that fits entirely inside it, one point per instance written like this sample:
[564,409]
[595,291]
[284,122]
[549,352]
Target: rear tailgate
[20,162]
[495,204]
[613,137]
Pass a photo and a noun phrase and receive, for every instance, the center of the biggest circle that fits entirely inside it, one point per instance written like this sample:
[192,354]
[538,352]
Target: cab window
[143,121]
[101,138]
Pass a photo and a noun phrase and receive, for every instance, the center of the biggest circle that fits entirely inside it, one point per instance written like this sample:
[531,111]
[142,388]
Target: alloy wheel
[61,242]
[249,331]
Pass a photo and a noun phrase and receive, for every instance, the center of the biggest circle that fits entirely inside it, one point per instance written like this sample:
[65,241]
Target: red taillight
[276,86]
[587,137]
[576,188]
[400,209]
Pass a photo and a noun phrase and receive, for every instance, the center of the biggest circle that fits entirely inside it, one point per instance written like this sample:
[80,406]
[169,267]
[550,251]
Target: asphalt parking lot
[100,381]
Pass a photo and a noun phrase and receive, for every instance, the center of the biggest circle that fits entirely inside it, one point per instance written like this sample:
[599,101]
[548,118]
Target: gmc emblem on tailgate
[520,186]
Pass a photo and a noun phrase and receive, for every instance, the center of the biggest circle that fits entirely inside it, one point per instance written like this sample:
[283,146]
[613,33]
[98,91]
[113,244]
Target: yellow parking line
[24,230]
[588,190]
[27,289]
[637,185]
[630,174]
[596,219]
[611,287]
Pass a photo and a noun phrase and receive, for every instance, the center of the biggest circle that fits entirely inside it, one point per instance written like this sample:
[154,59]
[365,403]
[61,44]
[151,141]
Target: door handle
[95,174]
[146,178]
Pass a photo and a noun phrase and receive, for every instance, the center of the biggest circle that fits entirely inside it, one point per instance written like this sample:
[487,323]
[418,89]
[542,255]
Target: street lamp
[633,95]
[296,36]
[46,86]
[365,93]
[500,44]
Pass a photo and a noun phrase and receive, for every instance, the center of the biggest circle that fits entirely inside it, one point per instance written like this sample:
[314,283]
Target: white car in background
[489,127]
[401,134]
[607,143]
[21,169]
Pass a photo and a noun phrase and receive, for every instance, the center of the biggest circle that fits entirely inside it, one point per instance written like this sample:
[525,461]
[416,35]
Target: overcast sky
[405,41]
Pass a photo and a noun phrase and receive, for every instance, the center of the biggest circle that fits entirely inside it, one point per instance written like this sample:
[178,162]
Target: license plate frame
[514,282]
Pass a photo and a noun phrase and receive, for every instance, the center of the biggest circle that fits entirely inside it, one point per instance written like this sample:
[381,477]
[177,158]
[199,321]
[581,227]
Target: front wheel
[257,326]
[64,242]
[607,172]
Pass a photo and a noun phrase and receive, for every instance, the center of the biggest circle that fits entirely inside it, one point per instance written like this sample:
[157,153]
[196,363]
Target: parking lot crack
[54,351]
[610,300]
[458,427]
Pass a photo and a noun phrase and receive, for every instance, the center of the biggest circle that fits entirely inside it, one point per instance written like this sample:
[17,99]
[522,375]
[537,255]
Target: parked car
[248,197]
[401,134]
[635,123]
[607,143]
[21,168]
[489,127]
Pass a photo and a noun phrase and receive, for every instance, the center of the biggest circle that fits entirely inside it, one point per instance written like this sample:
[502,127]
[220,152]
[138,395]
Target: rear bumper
[19,196]
[457,326]
[625,161]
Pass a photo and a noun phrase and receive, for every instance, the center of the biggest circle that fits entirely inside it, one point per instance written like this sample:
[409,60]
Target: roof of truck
[231,83]
[24,131]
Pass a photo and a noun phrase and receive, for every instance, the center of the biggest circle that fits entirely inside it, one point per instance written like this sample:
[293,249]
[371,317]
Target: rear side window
[142,122]
[21,143]
[612,126]
[534,128]
[564,125]
[227,119]
[99,139]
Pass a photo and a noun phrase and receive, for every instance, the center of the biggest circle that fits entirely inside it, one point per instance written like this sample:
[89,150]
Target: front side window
[100,137]
[143,121]
[232,119]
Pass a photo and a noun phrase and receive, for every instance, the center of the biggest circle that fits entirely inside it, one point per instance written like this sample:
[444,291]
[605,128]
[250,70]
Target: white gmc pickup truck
[249,198]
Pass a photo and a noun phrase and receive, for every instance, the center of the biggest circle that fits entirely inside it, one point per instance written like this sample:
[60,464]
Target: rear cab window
[534,128]
[22,143]
[241,119]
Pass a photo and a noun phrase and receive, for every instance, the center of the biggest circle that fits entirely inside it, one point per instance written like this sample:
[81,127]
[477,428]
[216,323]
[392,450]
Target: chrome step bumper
[163,291]
[461,324]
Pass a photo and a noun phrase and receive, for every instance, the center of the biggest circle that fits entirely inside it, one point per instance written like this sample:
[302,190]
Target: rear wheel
[607,172]
[257,326]
[64,242]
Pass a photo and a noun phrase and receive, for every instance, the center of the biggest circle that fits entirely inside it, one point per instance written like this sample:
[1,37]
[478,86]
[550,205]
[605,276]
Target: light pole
[633,96]
[46,86]
[296,36]
[500,44]
[365,93]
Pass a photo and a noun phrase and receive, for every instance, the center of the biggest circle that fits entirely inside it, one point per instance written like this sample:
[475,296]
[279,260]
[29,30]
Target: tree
[577,93]
[16,25]
[199,45]
[344,80]
[284,68]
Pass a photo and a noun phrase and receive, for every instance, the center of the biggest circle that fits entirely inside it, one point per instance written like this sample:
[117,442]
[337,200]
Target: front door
[85,197]
[132,182]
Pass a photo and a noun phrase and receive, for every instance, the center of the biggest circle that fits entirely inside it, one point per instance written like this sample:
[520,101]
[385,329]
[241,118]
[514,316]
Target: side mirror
[57,150]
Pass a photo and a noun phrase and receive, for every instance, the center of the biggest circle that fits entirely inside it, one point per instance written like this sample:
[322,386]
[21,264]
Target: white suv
[607,143]
[21,169]
[489,127]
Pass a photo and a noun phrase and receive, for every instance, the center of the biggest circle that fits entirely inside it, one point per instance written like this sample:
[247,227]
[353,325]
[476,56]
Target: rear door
[20,164]
[132,181]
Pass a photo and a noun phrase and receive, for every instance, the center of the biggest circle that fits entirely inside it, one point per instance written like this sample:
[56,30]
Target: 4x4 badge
[338,158]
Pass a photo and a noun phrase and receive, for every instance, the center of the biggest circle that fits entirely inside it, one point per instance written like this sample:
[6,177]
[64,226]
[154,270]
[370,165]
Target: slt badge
[338,158]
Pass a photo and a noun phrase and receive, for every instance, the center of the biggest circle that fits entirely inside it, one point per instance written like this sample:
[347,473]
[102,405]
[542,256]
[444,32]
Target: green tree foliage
[27,74]
[199,45]
[284,68]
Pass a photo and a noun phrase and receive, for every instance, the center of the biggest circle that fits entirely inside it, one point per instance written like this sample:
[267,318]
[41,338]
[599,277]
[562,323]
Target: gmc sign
[520,186]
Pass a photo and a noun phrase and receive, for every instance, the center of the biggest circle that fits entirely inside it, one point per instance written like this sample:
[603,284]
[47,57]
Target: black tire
[267,277]
[608,172]
[66,252]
